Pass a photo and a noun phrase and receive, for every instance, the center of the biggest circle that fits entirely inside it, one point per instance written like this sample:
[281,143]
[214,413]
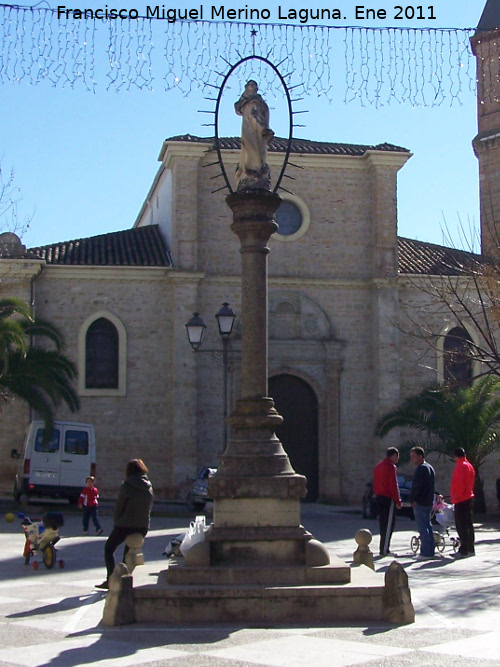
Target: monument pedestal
[259,603]
[257,564]
[256,497]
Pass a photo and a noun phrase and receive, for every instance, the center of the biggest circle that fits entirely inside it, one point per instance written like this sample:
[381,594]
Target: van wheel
[370,510]
[73,500]
[366,509]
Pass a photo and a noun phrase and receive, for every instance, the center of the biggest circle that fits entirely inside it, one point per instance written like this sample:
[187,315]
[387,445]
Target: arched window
[457,357]
[101,355]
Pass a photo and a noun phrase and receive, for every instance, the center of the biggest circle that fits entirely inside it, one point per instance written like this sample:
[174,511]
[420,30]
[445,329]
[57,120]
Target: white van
[57,468]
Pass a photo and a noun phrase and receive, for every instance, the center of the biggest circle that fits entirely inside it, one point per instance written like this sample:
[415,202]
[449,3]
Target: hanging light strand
[370,66]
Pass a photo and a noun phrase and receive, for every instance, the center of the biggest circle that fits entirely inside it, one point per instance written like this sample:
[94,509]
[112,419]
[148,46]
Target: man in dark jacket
[132,512]
[422,498]
[386,490]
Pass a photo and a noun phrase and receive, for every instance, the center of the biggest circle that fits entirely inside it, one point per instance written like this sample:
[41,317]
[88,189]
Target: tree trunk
[479,499]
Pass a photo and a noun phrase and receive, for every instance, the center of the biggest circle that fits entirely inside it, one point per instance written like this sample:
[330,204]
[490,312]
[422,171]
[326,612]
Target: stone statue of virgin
[253,172]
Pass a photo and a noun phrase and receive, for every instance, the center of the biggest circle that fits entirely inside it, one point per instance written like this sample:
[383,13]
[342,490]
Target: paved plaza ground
[52,617]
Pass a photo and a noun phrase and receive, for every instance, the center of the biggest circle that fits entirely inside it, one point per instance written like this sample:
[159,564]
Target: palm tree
[448,418]
[39,376]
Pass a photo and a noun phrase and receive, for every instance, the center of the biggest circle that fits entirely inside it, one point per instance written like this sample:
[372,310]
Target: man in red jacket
[462,496]
[386,490]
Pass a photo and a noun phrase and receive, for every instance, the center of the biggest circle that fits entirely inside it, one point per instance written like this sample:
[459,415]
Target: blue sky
[84,161]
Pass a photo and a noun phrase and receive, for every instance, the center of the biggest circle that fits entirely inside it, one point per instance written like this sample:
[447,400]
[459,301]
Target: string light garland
[370,66]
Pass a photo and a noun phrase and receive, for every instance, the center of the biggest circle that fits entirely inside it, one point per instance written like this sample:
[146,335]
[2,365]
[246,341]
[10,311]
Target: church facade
[343,300]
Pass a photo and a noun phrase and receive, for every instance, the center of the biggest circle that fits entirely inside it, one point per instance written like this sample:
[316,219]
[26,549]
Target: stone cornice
[171,275]
[21,268]
[486,139]
[386,159]
[388,281]
[77,272]
[483,36]
[299,282]
[185,276]
[344,162]
[413,279]
[172,150]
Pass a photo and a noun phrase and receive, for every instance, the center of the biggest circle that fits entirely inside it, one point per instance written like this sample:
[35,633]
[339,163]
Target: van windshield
[47,447]
[77,442]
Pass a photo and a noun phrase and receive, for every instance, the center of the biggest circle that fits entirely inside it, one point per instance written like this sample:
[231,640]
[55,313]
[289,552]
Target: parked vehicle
[56,468]
[198,497]
[41,538]
[405,484]
[369,503]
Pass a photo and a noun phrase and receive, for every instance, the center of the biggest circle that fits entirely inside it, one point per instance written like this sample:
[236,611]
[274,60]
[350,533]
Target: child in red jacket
[89,500]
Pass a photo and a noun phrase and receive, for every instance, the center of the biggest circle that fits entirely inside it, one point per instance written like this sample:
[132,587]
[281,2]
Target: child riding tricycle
[41,538]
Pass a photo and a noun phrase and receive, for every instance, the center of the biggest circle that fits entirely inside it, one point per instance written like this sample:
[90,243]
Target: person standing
[462,496]
[132,512]
[386,490]
[89,501]
[422,499]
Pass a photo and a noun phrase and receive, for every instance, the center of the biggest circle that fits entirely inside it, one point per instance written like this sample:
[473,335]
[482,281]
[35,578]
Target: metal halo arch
[290,118]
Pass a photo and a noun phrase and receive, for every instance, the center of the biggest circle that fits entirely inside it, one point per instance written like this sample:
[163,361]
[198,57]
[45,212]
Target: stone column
[253,223]
[333,459]
[256,492]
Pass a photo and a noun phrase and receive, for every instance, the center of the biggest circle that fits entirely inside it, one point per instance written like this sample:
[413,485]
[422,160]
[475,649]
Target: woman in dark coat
[132,512]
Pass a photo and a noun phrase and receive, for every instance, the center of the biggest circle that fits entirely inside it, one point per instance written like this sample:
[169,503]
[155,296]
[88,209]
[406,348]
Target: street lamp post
[195,331]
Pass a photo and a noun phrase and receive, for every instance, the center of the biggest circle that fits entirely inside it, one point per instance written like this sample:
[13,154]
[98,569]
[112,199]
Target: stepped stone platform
[178,574]
[272,598]
[250,581]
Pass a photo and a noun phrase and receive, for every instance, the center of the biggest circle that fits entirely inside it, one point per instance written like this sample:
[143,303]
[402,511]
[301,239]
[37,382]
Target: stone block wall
[134,425]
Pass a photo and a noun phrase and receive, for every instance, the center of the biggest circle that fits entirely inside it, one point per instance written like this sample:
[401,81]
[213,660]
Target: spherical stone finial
[363,537]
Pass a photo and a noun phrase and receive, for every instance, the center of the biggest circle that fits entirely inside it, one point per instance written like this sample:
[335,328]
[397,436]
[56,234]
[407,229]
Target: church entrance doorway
[296,402]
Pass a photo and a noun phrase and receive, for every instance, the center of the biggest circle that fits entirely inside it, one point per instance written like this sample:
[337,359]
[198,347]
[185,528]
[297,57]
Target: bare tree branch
[465,291]
[11,219]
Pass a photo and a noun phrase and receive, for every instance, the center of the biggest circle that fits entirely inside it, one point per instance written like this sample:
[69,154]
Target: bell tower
[486,47]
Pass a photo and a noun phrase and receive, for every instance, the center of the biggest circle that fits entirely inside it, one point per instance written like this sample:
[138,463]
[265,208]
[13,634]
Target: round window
[289,218]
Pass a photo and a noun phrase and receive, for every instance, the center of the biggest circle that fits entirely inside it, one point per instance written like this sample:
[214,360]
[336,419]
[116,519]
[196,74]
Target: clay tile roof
[302,146]
[141,246]
[419,257]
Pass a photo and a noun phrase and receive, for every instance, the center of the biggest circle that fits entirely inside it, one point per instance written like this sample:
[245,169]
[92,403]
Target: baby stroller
[443,516]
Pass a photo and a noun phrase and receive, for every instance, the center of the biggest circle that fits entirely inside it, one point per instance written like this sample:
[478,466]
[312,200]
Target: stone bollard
[134,555]
[398,607]
[363,554]
[119,607]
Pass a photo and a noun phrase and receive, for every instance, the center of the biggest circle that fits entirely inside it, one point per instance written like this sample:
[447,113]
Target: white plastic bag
[196,533]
